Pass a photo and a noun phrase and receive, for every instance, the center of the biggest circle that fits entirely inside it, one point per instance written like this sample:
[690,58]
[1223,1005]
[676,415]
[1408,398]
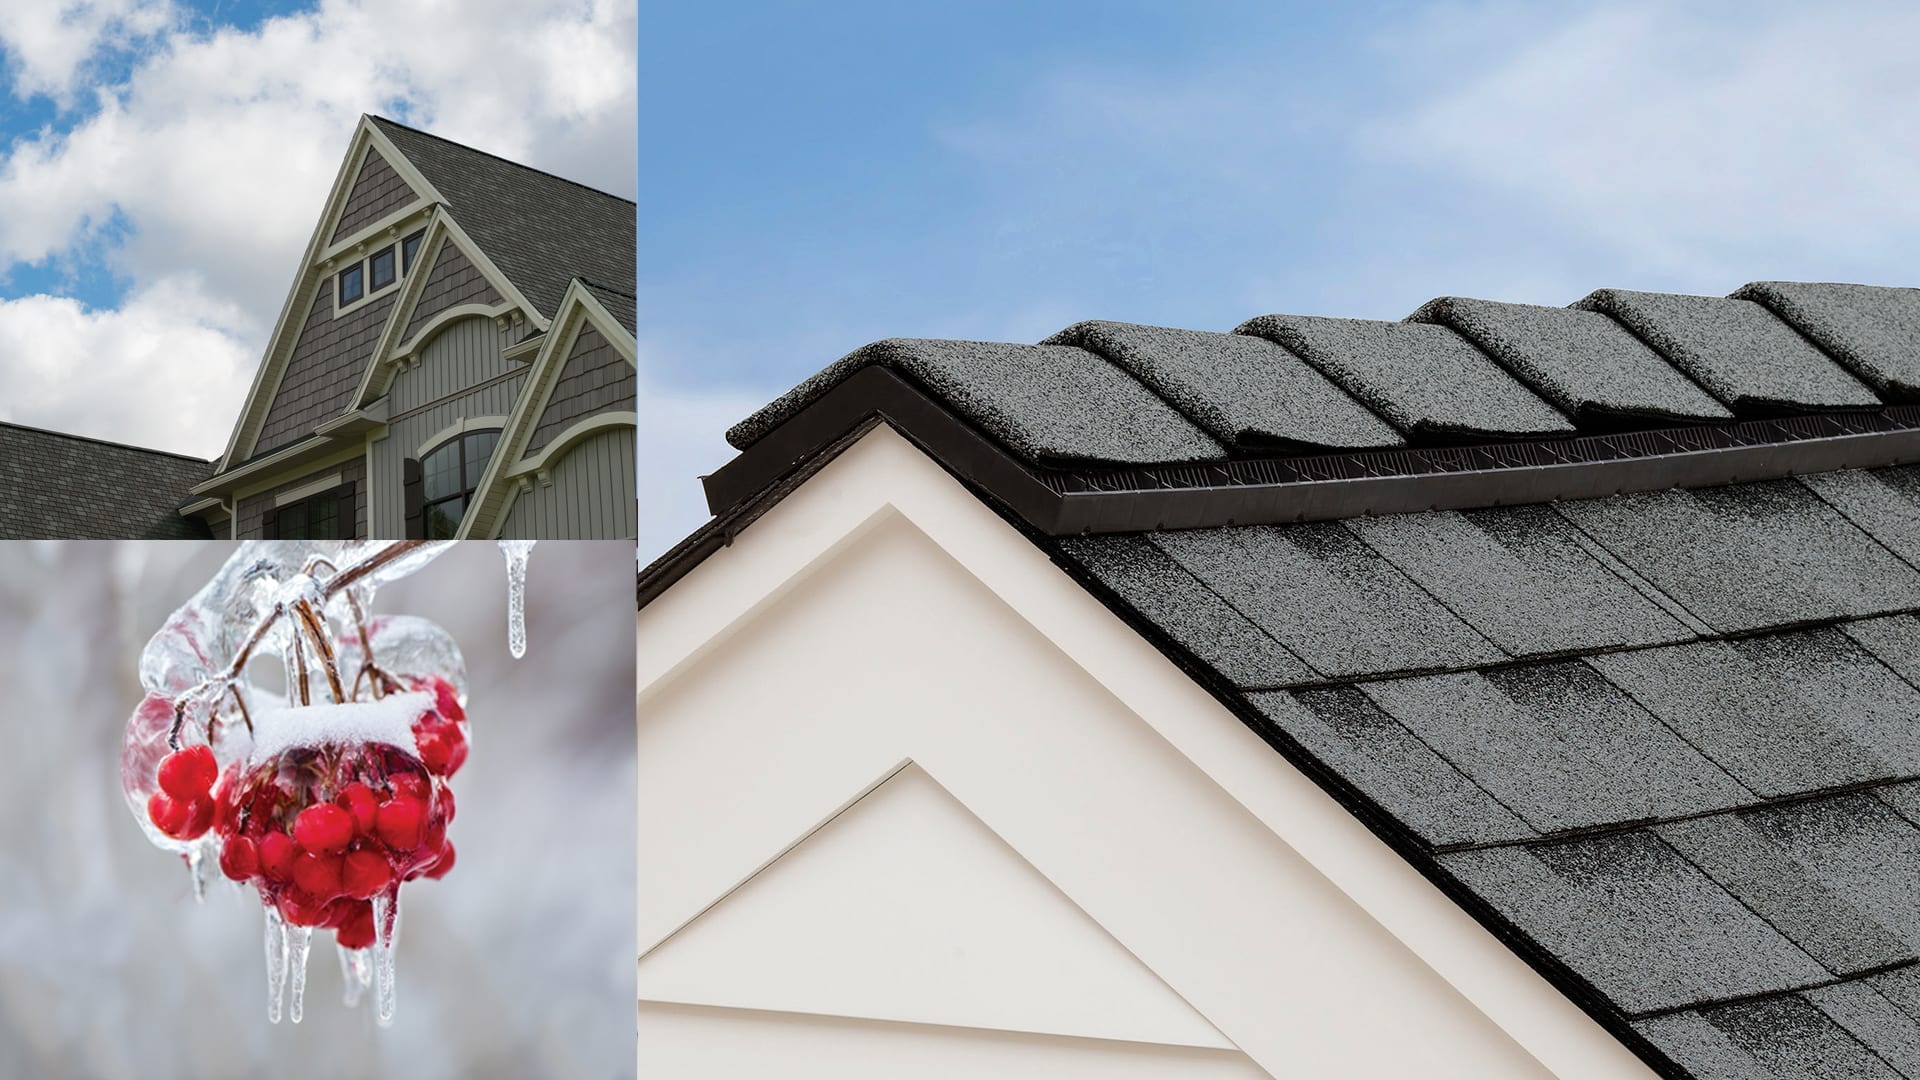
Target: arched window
[448,474]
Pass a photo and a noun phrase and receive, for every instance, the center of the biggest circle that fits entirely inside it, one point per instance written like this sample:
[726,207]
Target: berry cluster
[322,830]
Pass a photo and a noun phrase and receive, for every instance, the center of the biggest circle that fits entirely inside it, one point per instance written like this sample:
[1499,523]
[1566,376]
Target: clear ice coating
[516,552]
[309,604]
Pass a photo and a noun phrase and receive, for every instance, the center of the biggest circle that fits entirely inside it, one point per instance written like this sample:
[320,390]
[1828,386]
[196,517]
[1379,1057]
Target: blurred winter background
[518,964]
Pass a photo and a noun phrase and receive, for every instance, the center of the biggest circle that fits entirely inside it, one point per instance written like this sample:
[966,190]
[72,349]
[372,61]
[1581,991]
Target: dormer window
[410,250]
[352,285]
[380,269]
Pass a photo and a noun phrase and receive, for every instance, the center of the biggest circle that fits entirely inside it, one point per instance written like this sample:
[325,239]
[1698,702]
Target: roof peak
[389,122]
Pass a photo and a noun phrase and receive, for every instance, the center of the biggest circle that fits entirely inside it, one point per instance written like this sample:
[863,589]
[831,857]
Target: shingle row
[1456,370]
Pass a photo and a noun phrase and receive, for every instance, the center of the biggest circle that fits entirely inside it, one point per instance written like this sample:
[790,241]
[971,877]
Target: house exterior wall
[594,379]
[880,617]
[451,281]
[324,369]
[251,513]
[377,192]
[591,494]
[406,431]
[463,355]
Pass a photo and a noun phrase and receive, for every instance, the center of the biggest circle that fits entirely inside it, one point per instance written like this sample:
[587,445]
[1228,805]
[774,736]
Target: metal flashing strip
[1274,490]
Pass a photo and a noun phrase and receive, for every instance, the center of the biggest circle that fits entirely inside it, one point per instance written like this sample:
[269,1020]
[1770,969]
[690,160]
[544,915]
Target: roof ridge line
[376,117]
[106,442]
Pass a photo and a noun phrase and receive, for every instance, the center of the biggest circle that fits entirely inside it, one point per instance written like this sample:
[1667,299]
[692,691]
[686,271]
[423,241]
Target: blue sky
[162,164]
[818,176]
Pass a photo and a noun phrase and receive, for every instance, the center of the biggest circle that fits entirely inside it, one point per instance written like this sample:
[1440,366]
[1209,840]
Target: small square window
[410,250]
[380,270]
[351,287]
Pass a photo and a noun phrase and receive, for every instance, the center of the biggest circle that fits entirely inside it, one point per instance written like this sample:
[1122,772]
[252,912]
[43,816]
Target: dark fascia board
[1069,501]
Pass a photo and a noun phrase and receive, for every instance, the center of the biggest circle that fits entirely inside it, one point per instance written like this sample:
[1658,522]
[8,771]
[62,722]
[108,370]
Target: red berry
[434,750]
[324,828]
[301,911]
[444,864]
[199,819]
[189,773]
[239,859]
[359,800]
[356,929]
[446,702]
[398,822]
[277,851]
[318,875]
[168,814]
[412,784]
[364,874]
[436,833]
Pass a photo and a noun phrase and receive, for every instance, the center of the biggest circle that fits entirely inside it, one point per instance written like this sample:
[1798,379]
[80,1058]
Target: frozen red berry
[412,784]
[318,875]
[356,929]
[399,821]
[324,828]
[435,750]
[277,851]
[190,773]
[169,814]
[239,859]
[359,800]
[364,873]
[199,818]
[301,911]
[446,702]
[445,863]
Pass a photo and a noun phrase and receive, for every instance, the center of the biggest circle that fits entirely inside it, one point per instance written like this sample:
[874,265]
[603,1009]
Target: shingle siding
[452,281]
[376,192]
[253,510]
[595,379]
[328,360]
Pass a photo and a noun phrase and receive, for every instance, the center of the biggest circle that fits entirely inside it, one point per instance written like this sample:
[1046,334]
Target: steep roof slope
[1665,743]
[542,231]
[57,485]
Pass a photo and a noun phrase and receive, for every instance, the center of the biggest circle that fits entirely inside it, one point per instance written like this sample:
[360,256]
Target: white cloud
[49,44]
[1703,143]
[681,437]
[215,153]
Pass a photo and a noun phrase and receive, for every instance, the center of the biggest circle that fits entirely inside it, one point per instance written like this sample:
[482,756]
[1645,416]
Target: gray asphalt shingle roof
[1667,744]
[67,486]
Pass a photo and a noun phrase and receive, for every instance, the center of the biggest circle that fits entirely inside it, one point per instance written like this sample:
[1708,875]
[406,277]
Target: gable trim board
[500,484]
[883,490]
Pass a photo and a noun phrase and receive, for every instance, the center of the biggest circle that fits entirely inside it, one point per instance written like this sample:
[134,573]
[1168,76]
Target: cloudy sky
[162,164]
[998,169]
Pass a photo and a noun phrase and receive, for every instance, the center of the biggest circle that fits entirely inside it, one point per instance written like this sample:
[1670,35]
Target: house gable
[848,629]
[378,190]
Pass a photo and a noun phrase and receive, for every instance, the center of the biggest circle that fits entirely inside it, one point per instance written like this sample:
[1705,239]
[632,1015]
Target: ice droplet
[515,552]
[276,962]
[197,868]
[386,926]
[301,943]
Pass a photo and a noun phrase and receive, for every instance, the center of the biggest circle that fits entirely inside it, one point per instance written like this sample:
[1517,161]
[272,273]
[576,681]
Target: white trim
[316,487]
[393,226]
[573,433]
[444,319]
[884,483]
[460,427]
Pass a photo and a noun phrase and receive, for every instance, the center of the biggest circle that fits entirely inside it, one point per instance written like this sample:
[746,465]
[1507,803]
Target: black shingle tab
[1787,1037]
[1872,330]
[1423,378]
[1696,1045]
[1879,1024]
[1520,575]
[1245,391]
[1045,402]
[1642,924]
[1746,862]
[1559,745]
[1386,761]
[55,486]
[1750,556]
[1884,503]
[1786,713]
[1581,361]
[1186,610]
[1737,349]
[1901,986]
[1894,640]
[1329,598]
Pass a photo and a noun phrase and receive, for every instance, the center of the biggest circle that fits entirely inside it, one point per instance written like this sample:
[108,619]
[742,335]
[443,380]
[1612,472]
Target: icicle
[386,928]
[197,870]
[516,556]
[276,962]
[302,941]
[356,971]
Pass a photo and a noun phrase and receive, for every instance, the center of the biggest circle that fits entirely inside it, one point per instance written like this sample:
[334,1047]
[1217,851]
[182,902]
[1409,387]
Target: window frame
[410,250]
[464,490]
[341,301]
[333,497]
[392,255]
